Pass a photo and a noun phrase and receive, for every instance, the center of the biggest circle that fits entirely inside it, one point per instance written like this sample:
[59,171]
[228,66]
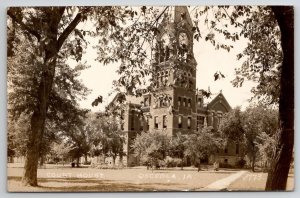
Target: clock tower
[173,108]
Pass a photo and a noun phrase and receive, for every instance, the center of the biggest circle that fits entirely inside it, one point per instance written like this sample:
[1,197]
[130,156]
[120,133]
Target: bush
[87,163]
[241,163]
[225,165]
[173,162]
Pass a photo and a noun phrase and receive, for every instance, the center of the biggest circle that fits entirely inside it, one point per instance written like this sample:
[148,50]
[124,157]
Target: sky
[99,78]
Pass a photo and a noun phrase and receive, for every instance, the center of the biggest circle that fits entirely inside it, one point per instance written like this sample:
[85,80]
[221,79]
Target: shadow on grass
[94,185]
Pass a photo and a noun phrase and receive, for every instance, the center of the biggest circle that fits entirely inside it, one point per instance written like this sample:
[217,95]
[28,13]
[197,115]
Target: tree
[50,33]
[261,25]
[278,174]
[24,77]
[231,125]
[126,44]
[113,138]
[177,147]
[151,147]
[106,135]
[253,127]
[60,150]
[202,144]
[266,148]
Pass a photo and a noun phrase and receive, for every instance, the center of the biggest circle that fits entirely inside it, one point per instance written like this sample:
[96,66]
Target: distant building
[178,106]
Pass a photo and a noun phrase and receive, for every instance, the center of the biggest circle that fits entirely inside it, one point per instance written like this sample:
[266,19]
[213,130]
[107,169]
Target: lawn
[131,179]
[256,182]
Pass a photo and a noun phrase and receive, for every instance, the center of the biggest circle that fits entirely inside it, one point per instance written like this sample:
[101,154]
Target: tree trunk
[37,125]
[114,160]
[77,162]
[199,165]
[181,163]
[85,159]
[253,163]
[121,160]
[280,165]
[42,160]
[49,44]
[48,53]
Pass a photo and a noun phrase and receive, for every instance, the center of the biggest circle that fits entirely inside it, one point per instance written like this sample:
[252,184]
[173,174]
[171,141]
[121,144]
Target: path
[224,183]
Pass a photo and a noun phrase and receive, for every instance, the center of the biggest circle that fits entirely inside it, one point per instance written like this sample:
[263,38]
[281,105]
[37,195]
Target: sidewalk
[223,184]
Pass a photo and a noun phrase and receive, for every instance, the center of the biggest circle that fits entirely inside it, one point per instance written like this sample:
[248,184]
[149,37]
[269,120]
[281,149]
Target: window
[179,121]
[198,123]
[122,114]
[189,102]
[146,102]
[226,150]
[184,102]
[156,122]
[132,120]
[148,126]
[190,84]
[164,121]
[237,148]
[142,125]
[179,101]
[165,80]
[225,161]
[189,122]
[161,103]
[199,102]
[169,101]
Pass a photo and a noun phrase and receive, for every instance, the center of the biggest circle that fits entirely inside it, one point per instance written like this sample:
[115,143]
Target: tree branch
[68,30]
[23,25]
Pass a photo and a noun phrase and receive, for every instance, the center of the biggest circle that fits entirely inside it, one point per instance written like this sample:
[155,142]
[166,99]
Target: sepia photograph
[150,98]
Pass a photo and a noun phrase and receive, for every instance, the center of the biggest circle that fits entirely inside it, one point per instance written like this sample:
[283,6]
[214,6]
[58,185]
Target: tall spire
[182,13]
[177,15]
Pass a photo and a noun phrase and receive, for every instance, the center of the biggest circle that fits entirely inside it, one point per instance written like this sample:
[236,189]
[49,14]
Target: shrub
[225,165]
[173,162]
[87,163]
[241,163]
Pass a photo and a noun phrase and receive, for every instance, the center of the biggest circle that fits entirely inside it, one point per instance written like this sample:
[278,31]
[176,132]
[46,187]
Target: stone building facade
[177,105]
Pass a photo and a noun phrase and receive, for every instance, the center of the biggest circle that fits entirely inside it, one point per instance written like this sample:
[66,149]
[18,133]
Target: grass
[65,179]
[256,182]
[135,179]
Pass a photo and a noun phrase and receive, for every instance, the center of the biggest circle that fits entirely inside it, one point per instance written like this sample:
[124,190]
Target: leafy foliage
[231,125]
[203,143]
[152,146]
[255,129]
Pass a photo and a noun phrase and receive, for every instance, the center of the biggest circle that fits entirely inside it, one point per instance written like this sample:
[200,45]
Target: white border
[3,109]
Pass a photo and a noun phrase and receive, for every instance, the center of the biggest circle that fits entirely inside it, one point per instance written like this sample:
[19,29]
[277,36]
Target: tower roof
[177,14]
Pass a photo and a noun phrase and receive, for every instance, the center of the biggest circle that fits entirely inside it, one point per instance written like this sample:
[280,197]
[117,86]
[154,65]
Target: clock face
[183,39]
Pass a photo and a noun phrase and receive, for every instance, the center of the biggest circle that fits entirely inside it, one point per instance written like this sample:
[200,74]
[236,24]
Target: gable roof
[219,99]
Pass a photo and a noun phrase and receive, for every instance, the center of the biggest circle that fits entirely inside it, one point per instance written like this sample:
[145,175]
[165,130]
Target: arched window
[179,121]
[184,102]
[179,101]
[189,102]
[189,120]
[164,121]
[156,122]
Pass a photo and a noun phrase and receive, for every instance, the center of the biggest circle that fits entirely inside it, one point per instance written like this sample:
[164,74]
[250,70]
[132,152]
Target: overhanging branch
[33,32]
[68,30]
